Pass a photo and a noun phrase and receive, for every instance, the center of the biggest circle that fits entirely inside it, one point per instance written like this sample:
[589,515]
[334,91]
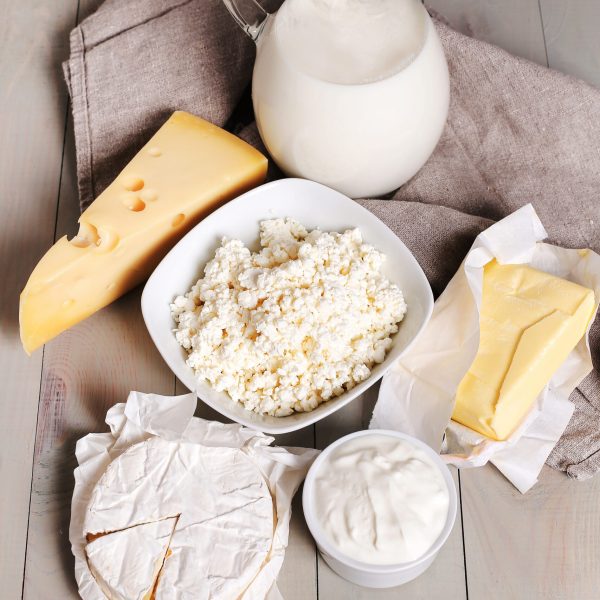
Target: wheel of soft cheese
[224,511]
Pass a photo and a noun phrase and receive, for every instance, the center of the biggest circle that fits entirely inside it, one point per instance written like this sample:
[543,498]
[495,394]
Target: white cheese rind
[293,325]
[225,521]
[138,552]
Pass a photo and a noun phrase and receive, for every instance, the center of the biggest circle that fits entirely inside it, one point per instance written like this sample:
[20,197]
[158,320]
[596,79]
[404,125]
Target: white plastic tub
[368,575]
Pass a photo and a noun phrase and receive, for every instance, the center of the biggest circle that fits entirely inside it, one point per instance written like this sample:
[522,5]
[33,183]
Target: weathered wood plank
[444,579]
[298,576]
[540,545]
[572,38]
[86,370]
[514,25]
[33,109]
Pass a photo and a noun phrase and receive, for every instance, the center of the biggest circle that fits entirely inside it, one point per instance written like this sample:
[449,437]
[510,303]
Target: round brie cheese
[223,509]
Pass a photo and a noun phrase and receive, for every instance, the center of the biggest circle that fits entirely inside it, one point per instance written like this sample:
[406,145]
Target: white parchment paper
[171,417]
[417,394]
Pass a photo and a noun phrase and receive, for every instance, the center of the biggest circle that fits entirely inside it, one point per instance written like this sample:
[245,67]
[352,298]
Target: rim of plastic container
[323,540]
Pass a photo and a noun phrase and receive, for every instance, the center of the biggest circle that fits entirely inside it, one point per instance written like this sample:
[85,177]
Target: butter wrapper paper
[171,418]
[417,394]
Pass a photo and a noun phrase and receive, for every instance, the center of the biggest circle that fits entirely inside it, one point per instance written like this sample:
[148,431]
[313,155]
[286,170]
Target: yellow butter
[187,169]
[529,323]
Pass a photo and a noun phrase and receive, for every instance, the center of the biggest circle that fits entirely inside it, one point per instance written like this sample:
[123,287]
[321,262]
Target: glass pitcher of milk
[351,93]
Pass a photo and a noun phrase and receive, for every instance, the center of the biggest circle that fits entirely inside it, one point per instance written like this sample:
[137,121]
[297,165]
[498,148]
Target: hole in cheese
[149,195]
[132,183]
[102,240]
[133,202]
[178,220]
[107,242]
[86,236]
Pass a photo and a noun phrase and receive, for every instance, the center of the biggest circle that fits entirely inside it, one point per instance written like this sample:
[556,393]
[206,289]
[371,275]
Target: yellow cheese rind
[188,168]
[529,323]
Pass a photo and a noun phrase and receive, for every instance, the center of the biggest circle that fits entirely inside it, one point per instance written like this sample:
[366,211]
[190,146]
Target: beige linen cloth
[516,133]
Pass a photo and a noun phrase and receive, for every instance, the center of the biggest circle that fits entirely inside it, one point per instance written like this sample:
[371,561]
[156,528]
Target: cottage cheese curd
[295,324]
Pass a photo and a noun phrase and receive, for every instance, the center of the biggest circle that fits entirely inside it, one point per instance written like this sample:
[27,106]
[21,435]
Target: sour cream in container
[380,505]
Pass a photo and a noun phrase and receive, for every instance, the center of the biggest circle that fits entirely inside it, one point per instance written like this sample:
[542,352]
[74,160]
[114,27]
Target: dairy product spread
[213,515]
[529,323]
[186,169]
[297,323]
[380,499]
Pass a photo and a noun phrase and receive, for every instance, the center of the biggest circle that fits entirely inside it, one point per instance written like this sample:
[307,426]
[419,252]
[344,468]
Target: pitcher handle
[249,15]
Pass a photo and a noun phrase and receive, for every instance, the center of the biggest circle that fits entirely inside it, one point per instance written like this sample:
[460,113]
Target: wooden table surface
[544,545]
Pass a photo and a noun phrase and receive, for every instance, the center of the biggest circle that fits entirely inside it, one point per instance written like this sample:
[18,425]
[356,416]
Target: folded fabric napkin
[516,133]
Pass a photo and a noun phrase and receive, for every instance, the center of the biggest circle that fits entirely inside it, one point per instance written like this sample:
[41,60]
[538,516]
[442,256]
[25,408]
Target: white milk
[351,93]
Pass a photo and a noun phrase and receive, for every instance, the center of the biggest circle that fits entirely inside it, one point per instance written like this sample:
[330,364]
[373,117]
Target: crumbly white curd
[297,323]
[380,499]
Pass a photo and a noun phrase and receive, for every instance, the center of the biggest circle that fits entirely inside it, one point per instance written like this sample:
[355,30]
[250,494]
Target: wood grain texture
[535,546]
[540,545]
[32,119]
[514,25]
[544,544]
[572,32]
[86,370]
[298,576]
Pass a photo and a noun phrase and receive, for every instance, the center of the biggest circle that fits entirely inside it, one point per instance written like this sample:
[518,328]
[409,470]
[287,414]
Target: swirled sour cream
[380,499]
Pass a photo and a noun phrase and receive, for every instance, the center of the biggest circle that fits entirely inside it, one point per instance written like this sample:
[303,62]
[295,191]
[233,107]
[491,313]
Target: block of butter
[529,323]
[187,169]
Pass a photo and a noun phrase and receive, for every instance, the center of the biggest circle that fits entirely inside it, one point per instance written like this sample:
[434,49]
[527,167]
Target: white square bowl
[315,206]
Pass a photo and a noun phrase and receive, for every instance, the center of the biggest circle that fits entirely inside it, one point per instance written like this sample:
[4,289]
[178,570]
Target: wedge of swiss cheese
[187,169]
[529,323]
